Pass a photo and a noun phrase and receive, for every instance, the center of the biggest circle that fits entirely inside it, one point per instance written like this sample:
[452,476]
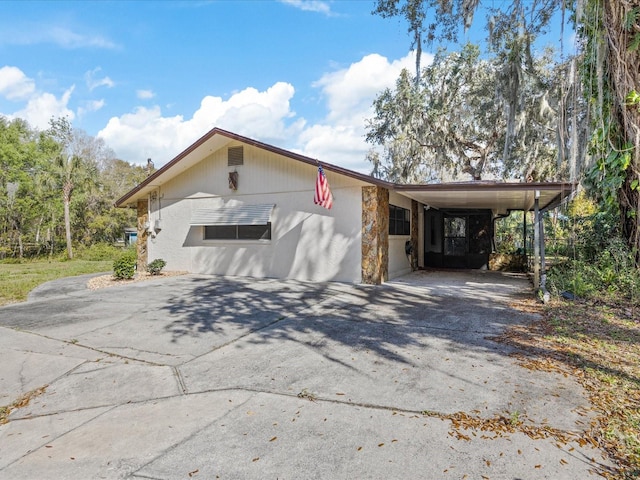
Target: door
[457,239]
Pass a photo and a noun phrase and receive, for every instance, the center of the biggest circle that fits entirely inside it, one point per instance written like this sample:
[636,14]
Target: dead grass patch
[23,401]
[598,343]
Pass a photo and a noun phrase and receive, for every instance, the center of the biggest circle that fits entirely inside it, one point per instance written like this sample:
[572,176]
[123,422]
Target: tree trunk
[624,77]
[67,219]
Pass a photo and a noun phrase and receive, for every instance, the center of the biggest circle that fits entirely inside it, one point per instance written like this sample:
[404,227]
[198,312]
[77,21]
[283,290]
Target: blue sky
[151,77]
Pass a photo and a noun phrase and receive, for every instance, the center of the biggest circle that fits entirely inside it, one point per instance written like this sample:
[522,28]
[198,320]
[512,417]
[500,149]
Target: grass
[598,343]
[18,279]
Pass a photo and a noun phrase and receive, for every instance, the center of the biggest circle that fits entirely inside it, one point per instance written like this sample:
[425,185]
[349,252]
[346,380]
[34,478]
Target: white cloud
[40,106]
[310,5]
[267,116]
[349,94]
[14,84]
[69,39]
[93,82]
[91,106]
[145,94]
[146,133]
[31,33]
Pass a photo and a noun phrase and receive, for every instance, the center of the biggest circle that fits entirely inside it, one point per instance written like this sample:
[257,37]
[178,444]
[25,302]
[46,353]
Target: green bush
[611,272]
[98,252]
[125,266]
[155,267]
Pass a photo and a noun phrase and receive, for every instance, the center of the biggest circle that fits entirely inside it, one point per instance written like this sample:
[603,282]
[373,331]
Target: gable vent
[235,156]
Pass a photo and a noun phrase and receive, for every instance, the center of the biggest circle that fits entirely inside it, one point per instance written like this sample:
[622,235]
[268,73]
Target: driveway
[208,377]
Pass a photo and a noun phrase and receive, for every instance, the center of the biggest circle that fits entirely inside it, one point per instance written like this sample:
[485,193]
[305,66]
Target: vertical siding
[308,242]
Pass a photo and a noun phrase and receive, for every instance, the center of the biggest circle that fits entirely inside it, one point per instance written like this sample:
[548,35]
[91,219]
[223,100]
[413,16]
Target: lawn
[598,343]
[18,279]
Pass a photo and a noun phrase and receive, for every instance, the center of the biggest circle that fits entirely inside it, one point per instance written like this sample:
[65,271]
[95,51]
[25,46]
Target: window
[399,221]
[238,232]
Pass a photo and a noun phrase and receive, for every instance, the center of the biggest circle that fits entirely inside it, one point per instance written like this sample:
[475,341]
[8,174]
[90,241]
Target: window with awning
[239,222]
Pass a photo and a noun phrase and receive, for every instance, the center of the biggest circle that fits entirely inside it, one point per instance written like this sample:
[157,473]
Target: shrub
[125,266]
[97,252]
[155,267]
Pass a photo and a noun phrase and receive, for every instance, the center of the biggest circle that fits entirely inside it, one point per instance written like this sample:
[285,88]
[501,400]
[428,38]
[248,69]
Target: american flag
[323,195]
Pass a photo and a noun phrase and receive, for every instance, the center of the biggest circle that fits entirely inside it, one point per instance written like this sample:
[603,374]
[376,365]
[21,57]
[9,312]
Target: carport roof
[497,196]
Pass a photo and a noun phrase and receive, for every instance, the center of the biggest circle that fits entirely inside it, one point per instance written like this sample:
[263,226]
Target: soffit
[496,196]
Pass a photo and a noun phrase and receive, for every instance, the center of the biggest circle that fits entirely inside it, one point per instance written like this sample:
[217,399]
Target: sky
[151,77]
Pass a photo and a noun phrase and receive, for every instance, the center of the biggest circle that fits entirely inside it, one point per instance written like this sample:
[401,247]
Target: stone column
[375,235]
[143,232]
[414,235]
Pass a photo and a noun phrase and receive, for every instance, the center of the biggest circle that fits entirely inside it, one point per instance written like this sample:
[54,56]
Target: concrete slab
[285,437]
[115,442]
[242,378]
[101,384]
[30,361]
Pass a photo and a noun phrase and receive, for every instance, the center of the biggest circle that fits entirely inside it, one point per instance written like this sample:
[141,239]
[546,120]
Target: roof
[214,140]
[497,196]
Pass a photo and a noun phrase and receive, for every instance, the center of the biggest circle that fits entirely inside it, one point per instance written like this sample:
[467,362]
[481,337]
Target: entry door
[457,239]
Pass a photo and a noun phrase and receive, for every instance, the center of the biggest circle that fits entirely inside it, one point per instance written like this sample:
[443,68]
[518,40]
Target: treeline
[57,190]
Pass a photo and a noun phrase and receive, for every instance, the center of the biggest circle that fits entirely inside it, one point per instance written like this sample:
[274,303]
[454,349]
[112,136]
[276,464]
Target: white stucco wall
[399,263]
[308,242]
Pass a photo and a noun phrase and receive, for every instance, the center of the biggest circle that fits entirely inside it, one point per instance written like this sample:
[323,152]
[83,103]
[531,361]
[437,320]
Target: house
[230,205]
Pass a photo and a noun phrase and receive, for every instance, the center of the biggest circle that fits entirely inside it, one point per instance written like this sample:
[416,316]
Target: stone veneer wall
[414,235]
[375,235]
[141,244]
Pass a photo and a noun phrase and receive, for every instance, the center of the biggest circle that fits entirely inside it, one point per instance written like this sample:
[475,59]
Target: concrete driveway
[207,377]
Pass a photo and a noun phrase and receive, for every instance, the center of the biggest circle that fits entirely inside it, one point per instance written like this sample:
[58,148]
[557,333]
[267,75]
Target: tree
[20,161]
[69,168]
[103,222]
[609,31]
[454,121]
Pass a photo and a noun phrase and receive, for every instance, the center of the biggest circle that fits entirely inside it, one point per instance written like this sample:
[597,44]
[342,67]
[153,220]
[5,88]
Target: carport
[458,227]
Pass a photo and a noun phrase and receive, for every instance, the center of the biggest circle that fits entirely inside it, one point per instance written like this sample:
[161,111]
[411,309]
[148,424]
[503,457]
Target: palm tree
[69,170]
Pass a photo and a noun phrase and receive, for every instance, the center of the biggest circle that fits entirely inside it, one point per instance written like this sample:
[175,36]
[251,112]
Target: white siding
[399,263]
[307,242]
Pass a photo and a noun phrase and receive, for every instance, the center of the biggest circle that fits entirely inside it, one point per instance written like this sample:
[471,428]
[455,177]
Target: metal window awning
[233,215]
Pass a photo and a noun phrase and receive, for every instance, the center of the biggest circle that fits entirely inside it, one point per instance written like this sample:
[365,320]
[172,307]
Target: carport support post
[536,242]
[543,266]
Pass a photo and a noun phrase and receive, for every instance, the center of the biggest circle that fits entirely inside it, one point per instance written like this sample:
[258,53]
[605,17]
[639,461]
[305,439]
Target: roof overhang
[500,197]
[212,141]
